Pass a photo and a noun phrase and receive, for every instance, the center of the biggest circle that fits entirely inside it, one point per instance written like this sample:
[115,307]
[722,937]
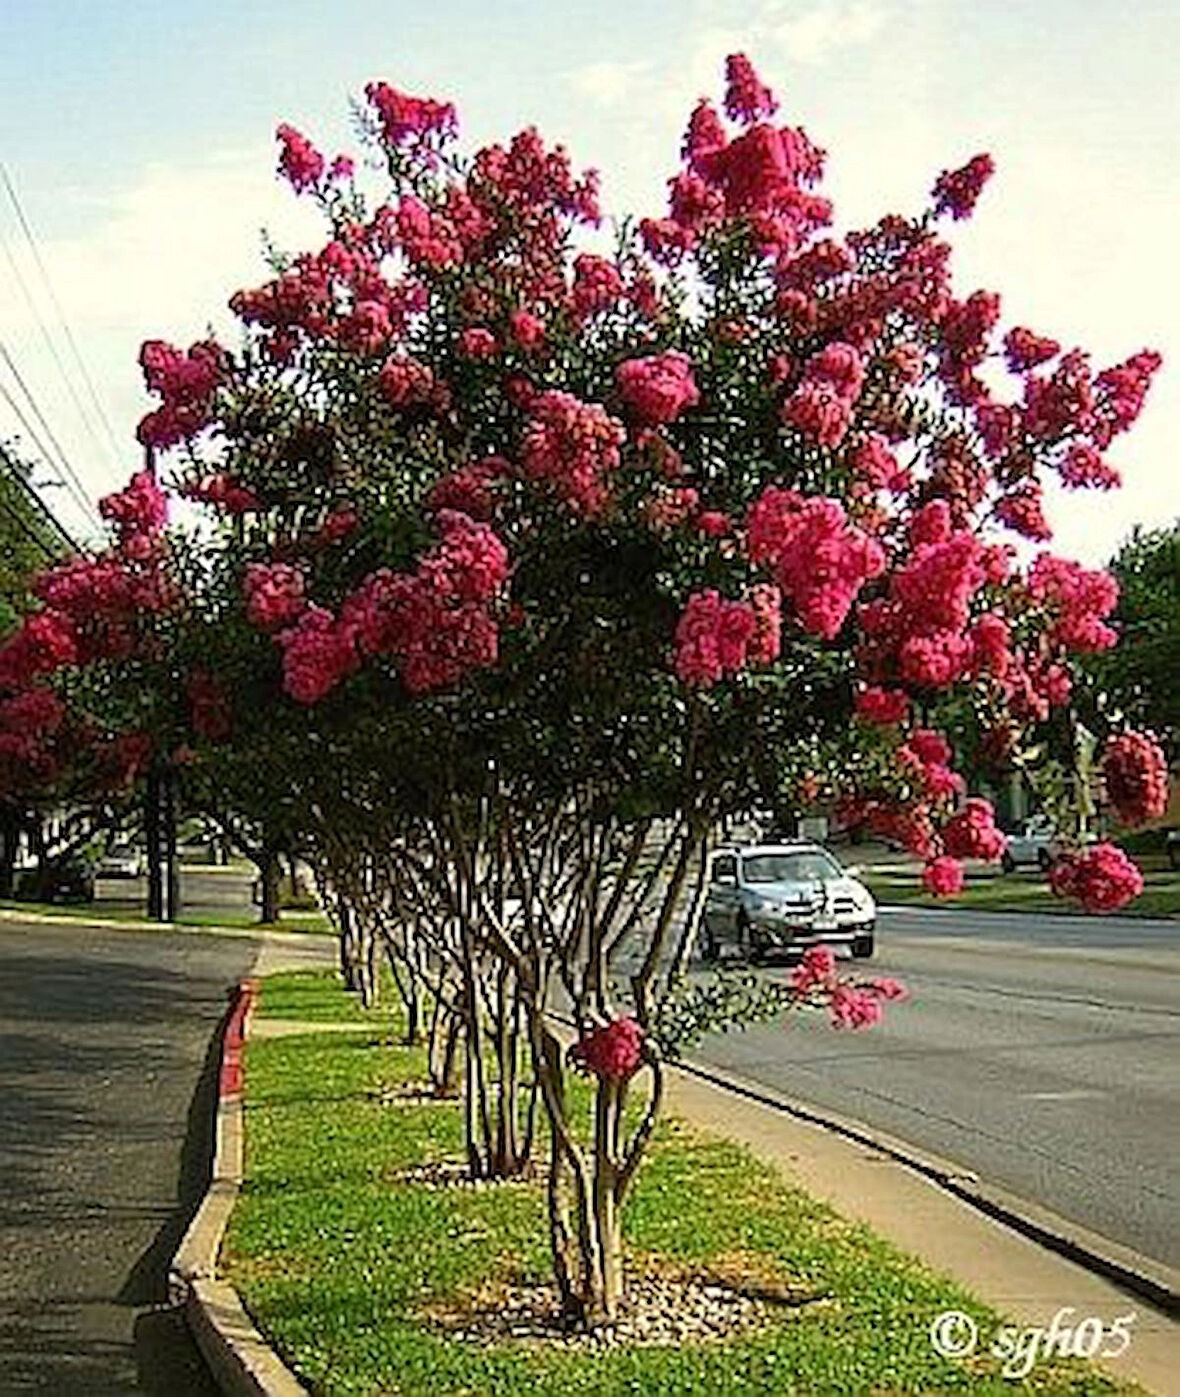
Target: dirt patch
[667,1305]
[455,1174]
[409,1094]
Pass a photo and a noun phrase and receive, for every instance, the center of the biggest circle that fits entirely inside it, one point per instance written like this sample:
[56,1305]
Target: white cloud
[813,35]
[178,236]
[155,259]
[607,83]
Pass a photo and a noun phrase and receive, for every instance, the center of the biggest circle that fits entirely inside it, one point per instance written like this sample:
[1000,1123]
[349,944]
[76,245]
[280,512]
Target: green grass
[312,923]
[316,997]
[994,891]
[336,1258]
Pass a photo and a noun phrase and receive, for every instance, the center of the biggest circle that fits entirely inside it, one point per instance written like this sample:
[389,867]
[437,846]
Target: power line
[30,238]
[73,483]
[16,476]
[33,536]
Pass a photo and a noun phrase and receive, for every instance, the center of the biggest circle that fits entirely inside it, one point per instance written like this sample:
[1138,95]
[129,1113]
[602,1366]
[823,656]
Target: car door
[721,900]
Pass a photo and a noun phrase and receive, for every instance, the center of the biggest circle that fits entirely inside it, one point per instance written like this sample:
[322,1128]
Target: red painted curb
[243,997]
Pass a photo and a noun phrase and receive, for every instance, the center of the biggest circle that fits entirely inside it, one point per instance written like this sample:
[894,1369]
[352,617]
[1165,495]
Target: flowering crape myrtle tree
[542,559]
[83,673]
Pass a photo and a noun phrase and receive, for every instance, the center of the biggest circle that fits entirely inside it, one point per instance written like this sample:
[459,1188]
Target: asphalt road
[106,1092]
[203,889]
[1042,1052]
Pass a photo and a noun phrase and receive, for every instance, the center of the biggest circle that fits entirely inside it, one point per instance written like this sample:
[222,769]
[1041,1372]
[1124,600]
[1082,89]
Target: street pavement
[204,890]
[1041,1052]
[106,1094]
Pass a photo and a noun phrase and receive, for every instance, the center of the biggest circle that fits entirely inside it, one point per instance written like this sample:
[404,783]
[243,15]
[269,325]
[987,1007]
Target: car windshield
[801,866]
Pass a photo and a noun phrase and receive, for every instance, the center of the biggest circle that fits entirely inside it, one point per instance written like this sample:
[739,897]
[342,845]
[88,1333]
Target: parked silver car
[122,861]
[768,898]
[1034,845]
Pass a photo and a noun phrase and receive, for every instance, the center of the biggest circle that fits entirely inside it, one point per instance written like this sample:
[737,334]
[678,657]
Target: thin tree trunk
[152,834]
[269,876]
[10,825]
[171,874]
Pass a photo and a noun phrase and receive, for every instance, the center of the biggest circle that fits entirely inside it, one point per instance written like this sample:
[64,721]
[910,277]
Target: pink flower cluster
[1136,774]
[573,447]
[972,833]
[874,463]
[436,622]
[477,342]
[338,294]
[1082,467]
[318,652]
[671,508]
[1024,350]
[29,720]
[186,383]
[409,120]
[929,754]
[95,605]
[1102,879]
[957,191]
[528,190]
[1022,510]
[919,631]
[656,390]
[275,594]
[943,876]
[337,525]
[760,176]
[821,406]
[1119,395]
[819,560]
[597,287]
[850,1004]
[716,637]
[965,334]
[1079,600]
[43,643]
[526,331]
[877,705]
[747,99]
[139,510]
[470,490]
[300,163]
[408,383]
[612,1052]
[427,238]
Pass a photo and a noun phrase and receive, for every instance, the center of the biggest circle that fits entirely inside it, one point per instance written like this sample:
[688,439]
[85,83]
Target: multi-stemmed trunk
[500,1109]
[587,1186]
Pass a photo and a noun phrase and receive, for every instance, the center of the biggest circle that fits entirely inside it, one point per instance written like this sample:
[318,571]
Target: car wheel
[1007,862]
[1044,860]
[864,946]
[751,942]
[710,950]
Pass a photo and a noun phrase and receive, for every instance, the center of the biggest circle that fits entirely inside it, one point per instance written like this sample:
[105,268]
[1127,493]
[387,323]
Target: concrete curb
[1144,1277]
[241,1361]
[13,914]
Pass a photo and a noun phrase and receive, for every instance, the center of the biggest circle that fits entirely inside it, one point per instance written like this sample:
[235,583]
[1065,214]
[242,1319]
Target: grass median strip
[365,1260]
[991,891]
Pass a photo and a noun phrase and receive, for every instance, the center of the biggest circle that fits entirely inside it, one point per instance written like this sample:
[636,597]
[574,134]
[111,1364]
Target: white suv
[1037,845]
[764,898]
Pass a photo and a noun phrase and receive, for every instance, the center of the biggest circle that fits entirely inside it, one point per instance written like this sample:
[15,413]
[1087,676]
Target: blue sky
[140,137]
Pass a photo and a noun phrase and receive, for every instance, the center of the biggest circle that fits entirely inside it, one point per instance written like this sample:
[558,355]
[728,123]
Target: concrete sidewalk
[1017,1276]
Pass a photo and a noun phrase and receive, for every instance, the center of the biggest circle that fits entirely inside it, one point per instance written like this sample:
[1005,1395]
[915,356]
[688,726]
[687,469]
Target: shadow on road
[104,1153]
